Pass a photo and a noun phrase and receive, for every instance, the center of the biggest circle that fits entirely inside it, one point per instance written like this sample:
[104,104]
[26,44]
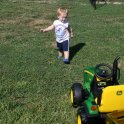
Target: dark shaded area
[101,120]
[93,3]
[95,6]
[75,49]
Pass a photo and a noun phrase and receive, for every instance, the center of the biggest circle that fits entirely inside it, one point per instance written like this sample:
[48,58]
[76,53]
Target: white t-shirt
[61,31]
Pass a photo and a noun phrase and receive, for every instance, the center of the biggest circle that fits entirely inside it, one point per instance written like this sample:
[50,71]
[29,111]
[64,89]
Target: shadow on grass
[75,49]
[96,3]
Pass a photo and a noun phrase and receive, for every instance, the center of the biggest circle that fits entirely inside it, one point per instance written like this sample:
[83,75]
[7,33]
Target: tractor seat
[111,99]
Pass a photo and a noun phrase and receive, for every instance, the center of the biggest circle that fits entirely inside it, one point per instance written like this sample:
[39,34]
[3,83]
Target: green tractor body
[88,96]
[90,104]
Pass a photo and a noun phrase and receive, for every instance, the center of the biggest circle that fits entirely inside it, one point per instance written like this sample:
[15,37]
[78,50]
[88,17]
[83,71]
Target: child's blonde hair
[62,10]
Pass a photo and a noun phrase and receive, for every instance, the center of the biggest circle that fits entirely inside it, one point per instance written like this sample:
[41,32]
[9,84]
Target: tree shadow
[74,49]
[96,3]
[93,3]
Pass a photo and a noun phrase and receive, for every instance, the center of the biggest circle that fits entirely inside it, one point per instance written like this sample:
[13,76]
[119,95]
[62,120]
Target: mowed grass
[34,85]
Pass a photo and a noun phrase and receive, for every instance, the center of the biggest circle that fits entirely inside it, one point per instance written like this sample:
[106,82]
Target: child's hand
[42,30]
[72,34]
[51,27]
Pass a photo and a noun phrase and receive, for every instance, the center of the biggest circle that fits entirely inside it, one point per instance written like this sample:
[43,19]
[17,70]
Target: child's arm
[70,31]
[51,27]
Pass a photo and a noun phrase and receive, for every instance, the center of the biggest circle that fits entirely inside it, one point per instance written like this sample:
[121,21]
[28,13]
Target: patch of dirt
[53,44]
[36,1]
[39,22]
[8,21]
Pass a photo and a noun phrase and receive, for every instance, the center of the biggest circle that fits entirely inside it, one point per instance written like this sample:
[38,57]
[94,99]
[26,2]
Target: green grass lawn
[34,85]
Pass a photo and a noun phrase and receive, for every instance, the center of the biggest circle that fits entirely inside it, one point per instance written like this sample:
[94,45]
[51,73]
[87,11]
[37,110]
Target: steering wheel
[103,71]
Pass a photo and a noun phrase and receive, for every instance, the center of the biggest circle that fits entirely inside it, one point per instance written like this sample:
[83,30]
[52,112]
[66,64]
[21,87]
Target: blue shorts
[64,46]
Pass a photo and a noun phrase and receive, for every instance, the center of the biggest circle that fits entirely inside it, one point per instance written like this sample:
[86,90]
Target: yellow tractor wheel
[72,96]
[82,116]
[79,121]
[76,94]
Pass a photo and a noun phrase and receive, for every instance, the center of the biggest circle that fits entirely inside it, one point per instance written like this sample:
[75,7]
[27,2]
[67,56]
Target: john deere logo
[119,93]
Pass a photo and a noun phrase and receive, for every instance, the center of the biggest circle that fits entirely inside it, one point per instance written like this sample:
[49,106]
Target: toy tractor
[100,94]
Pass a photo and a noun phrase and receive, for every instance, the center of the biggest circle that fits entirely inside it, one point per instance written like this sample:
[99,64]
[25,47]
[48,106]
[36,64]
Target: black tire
[82,116]
[76,94]
[85,119]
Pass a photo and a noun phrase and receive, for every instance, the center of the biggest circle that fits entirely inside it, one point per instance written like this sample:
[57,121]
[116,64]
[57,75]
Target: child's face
[62,17]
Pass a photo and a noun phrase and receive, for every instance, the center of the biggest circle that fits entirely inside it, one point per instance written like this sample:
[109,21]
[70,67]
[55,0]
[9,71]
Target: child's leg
[66,57]
[60,50]
[60,53]
[66,51]
[66,54]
